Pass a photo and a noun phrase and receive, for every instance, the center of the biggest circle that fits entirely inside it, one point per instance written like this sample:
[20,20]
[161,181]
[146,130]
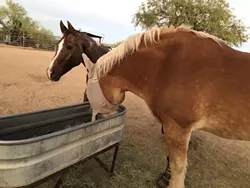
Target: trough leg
[114,159]
[105,166]
[59,181]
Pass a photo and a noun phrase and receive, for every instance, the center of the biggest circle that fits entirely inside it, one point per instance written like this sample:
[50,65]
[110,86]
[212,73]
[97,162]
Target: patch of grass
[140,161]
[138,165]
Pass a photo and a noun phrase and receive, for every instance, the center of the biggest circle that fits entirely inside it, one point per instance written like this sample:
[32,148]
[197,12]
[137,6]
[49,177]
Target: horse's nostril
[52,72]
[54,76]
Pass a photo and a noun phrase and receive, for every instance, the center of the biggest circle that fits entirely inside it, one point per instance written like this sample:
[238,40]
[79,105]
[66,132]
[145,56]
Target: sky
[108,18]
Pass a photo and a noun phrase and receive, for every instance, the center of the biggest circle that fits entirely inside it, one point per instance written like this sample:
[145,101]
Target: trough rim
[57,133]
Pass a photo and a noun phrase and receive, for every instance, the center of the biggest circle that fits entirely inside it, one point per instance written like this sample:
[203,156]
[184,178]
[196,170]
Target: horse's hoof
[162,181]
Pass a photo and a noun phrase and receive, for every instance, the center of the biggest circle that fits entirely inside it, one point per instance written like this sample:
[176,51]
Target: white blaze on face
[60,47]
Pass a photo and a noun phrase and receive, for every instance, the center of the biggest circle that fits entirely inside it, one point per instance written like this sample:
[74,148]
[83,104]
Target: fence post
[23,39]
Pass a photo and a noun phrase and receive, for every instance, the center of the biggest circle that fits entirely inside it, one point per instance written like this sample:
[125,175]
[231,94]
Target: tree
[45,39]
[211,16]
[116,44]
[20,28]
[11,18]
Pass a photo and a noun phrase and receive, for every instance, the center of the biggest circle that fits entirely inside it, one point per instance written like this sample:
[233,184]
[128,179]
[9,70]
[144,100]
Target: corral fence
[37,41]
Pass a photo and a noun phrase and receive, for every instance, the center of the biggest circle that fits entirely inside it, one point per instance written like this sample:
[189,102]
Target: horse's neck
[95,52]
[117,82]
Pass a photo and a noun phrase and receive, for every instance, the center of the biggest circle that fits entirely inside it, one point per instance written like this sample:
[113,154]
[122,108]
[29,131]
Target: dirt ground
[213,162]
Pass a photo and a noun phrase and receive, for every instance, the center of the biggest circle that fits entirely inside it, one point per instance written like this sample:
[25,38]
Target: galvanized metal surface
[25,161]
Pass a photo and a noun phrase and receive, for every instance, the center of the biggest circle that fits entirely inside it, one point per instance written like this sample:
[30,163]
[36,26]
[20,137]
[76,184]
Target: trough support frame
[105,166]
[66,170]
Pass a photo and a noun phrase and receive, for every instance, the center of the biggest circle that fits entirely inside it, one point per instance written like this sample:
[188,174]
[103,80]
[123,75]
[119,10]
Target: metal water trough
[38,144]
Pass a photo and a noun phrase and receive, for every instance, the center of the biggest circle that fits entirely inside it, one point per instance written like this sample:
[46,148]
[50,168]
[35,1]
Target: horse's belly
[226,129]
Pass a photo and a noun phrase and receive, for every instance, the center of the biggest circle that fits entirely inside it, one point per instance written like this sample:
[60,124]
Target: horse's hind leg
[177,140]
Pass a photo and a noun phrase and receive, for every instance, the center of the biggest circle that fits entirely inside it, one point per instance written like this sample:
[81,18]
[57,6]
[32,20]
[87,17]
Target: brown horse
[190,80]
[68,55]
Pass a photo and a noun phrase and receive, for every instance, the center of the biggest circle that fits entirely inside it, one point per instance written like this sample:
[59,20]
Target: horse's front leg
[85,98]
[177,139]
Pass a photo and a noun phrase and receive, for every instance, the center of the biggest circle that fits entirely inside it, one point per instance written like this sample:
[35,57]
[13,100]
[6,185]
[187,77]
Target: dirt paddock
[213,162]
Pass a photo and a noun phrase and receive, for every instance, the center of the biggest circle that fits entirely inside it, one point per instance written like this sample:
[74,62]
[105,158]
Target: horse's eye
[69,47]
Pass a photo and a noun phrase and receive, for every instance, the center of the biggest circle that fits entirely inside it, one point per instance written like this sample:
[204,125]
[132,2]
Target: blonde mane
[132,44]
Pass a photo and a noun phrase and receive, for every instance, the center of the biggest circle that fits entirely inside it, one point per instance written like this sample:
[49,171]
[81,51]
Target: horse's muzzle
[52,75]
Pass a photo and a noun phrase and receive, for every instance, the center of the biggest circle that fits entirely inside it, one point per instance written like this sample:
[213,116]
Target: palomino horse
[68,55]
[190,81]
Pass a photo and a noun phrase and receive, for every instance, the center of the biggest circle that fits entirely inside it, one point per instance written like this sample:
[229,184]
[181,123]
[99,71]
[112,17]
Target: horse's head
[68,53]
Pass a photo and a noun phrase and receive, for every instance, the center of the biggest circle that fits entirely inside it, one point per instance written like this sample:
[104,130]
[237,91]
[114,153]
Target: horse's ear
[63,27]
[72,29]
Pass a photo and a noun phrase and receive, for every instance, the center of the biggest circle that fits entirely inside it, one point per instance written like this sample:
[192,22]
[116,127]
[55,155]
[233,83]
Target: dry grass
[213,162]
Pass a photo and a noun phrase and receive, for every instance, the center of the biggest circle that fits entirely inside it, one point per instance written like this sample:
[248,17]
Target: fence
[37,41]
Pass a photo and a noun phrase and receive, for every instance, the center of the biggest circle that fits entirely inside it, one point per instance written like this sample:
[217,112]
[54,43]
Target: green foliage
[20,28]
[212,16]
[107,44]
[116,44]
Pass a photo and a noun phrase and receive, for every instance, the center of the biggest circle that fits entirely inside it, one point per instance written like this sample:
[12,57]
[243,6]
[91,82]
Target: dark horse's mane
[94,36]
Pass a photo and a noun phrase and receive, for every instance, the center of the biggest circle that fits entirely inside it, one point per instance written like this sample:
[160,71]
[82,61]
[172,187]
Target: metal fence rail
[37,41]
